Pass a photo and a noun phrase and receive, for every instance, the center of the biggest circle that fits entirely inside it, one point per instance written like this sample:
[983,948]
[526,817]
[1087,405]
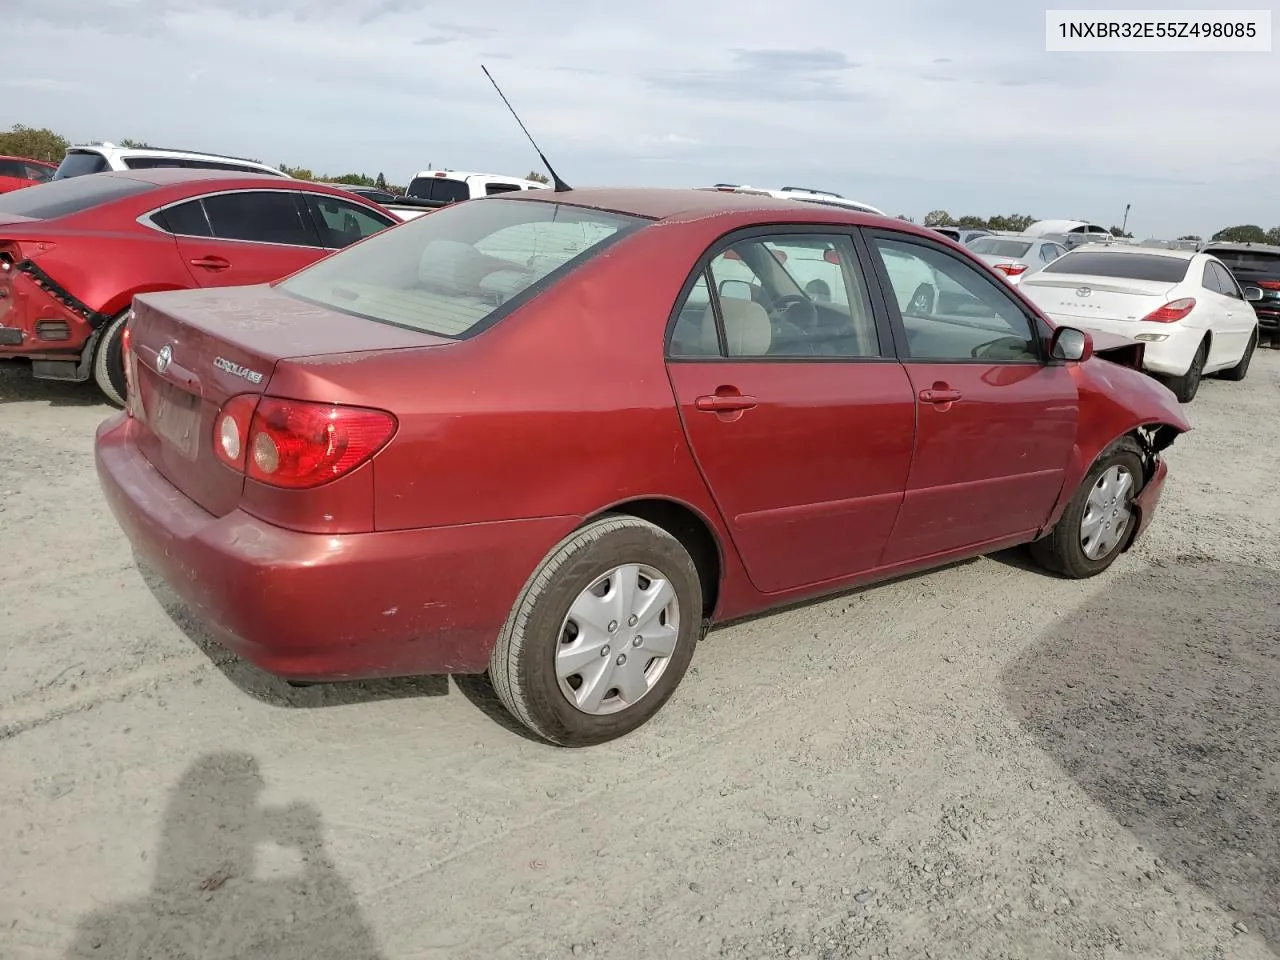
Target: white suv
[101,157]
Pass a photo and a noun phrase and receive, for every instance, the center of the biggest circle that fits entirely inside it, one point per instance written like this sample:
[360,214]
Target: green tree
[134,144]
[1273,236]
[34,144]
[938,218]
[1245,233]
[1190,236]
[380,182]
[352,180]
[903,216]
[1117,232]
[537,177]
[972,223]
[298,173]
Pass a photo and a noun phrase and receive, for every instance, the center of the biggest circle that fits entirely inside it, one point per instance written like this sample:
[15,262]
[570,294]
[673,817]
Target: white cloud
[910,106]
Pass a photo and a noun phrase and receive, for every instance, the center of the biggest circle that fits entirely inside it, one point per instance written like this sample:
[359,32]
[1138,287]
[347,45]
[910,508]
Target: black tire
[1241,369]
[523,664]
[1275,340]
[108,361]
[1187,386]
[1061,551]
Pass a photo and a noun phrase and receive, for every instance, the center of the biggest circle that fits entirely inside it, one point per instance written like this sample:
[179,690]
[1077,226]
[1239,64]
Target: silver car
[1016,256]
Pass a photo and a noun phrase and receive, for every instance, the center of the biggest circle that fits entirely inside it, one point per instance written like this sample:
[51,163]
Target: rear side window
[1124,266]
[461,268]
[185,219]
[259,216]
[61,198]
[995,247]
[77,163]
[13,168]
[439,188]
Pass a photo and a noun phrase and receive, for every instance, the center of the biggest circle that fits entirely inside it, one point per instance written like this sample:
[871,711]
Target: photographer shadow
[234,878]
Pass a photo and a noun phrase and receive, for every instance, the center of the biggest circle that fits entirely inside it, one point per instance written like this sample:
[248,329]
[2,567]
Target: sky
[910,105]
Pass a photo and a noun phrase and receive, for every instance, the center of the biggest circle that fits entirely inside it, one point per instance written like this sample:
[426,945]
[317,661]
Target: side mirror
[1071,345]
[735,290]
[1253,293]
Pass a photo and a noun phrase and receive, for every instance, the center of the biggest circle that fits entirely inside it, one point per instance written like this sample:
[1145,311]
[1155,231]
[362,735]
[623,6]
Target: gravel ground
[980,762]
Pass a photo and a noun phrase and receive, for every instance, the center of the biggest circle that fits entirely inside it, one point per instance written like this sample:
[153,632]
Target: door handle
[940,395]
[718,403]
[211,263]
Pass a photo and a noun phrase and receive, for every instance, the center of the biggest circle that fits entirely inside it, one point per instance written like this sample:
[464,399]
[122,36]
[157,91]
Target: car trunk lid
[1101,298]
[194,350]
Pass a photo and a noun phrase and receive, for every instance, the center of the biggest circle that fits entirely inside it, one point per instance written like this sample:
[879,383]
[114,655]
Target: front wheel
[108,361]
[1186,386]
[1093,529]
[602,633]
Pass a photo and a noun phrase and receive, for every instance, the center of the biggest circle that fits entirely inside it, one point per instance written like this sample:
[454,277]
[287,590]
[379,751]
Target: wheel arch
[691,528]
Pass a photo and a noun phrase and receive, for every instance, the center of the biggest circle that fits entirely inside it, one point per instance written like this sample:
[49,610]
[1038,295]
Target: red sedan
[555,435]
[19,172]
[75,252]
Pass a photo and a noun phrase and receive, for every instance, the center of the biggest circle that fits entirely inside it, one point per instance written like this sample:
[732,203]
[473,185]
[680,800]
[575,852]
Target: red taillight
[831,256]
[1269,284]
[1010,269]
[1173,311]
[296,444]
[127,358]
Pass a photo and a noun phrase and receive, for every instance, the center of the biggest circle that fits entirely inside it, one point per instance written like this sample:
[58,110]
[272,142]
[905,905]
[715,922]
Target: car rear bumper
[324,607]
[35,324]
[1171,356]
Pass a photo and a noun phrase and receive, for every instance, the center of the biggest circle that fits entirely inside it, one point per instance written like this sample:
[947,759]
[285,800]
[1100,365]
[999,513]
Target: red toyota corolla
[555,435]
[75,252]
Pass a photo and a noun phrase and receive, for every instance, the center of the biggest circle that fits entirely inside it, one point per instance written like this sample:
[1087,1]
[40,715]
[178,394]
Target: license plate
[175,417]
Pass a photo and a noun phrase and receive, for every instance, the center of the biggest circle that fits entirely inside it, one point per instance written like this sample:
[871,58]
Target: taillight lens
[1269,284]
[297,444]
[1172,311]
[1011,269]
[129,362]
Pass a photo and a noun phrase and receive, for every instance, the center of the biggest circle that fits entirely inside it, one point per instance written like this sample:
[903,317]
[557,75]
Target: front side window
[342,223]
[952,312]
[787,296]
[461,268]
[259,216]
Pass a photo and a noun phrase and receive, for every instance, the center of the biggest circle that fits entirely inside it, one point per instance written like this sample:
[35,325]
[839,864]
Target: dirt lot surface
[981,762]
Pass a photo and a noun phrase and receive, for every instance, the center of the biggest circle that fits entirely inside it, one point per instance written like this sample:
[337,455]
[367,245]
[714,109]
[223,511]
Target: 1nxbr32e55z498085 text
[1157,31]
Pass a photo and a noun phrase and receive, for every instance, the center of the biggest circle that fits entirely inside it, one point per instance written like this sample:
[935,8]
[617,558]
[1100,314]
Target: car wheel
[601,634]
[108,361]
[1186,386]
[1093,529]
[1241,369]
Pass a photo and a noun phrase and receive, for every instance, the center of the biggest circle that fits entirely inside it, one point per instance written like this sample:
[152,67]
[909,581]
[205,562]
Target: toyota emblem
[164,358]
[1080,292]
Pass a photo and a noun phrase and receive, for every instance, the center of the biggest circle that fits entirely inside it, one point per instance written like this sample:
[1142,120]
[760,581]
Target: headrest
[746,327]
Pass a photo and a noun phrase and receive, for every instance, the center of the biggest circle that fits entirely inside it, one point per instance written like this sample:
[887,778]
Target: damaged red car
[554,436]
[75,252]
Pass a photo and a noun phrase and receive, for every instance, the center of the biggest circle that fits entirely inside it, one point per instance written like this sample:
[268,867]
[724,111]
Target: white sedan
[1184,306]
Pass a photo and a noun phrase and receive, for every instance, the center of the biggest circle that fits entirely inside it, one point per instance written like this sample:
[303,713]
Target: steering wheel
[784,308]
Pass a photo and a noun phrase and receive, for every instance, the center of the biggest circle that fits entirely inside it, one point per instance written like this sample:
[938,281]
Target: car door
[996,422]
[340,223]
[1238,321]
[243,237]
[798,415]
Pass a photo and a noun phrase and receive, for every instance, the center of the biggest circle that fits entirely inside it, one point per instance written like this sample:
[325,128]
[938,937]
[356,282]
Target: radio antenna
[560,185]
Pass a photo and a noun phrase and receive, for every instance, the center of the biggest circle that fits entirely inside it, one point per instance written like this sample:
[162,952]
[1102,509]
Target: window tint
[261,216]
[60,198]
[1125,266]
[39,173]
[439,188]
[186,219]
[450,272]
[341,223]
[1248,261]
[786,296]
[997,247]
[952,312]
[1050,252]
[13,168]
[80,162]
[1226,284]
[491,188]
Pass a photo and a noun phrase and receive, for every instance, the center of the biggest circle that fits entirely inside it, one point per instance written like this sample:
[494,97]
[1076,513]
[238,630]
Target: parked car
[19,172]
[101,157]
[1070,233]
[527,435]
[75,252]
[962,235]
[432,189]
[1016,256]
[1184,307]
[1255,265]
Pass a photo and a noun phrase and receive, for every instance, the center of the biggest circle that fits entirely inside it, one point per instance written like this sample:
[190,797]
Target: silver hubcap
[617,640]
[1106,513]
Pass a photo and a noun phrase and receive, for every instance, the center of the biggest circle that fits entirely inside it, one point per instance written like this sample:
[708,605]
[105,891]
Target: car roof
[1233,245]
[673,203]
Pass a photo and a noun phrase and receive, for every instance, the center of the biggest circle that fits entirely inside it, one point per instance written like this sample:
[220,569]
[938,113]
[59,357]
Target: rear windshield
[995,247]
[61,198]
[1248,261]
[1127,266]
[460,269]
[438,188]
[79,162]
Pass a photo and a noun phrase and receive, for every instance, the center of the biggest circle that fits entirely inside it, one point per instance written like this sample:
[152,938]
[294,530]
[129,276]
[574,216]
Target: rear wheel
[602,633]
[1241,369]
[1186,386]
[1093,529]
[108,361]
